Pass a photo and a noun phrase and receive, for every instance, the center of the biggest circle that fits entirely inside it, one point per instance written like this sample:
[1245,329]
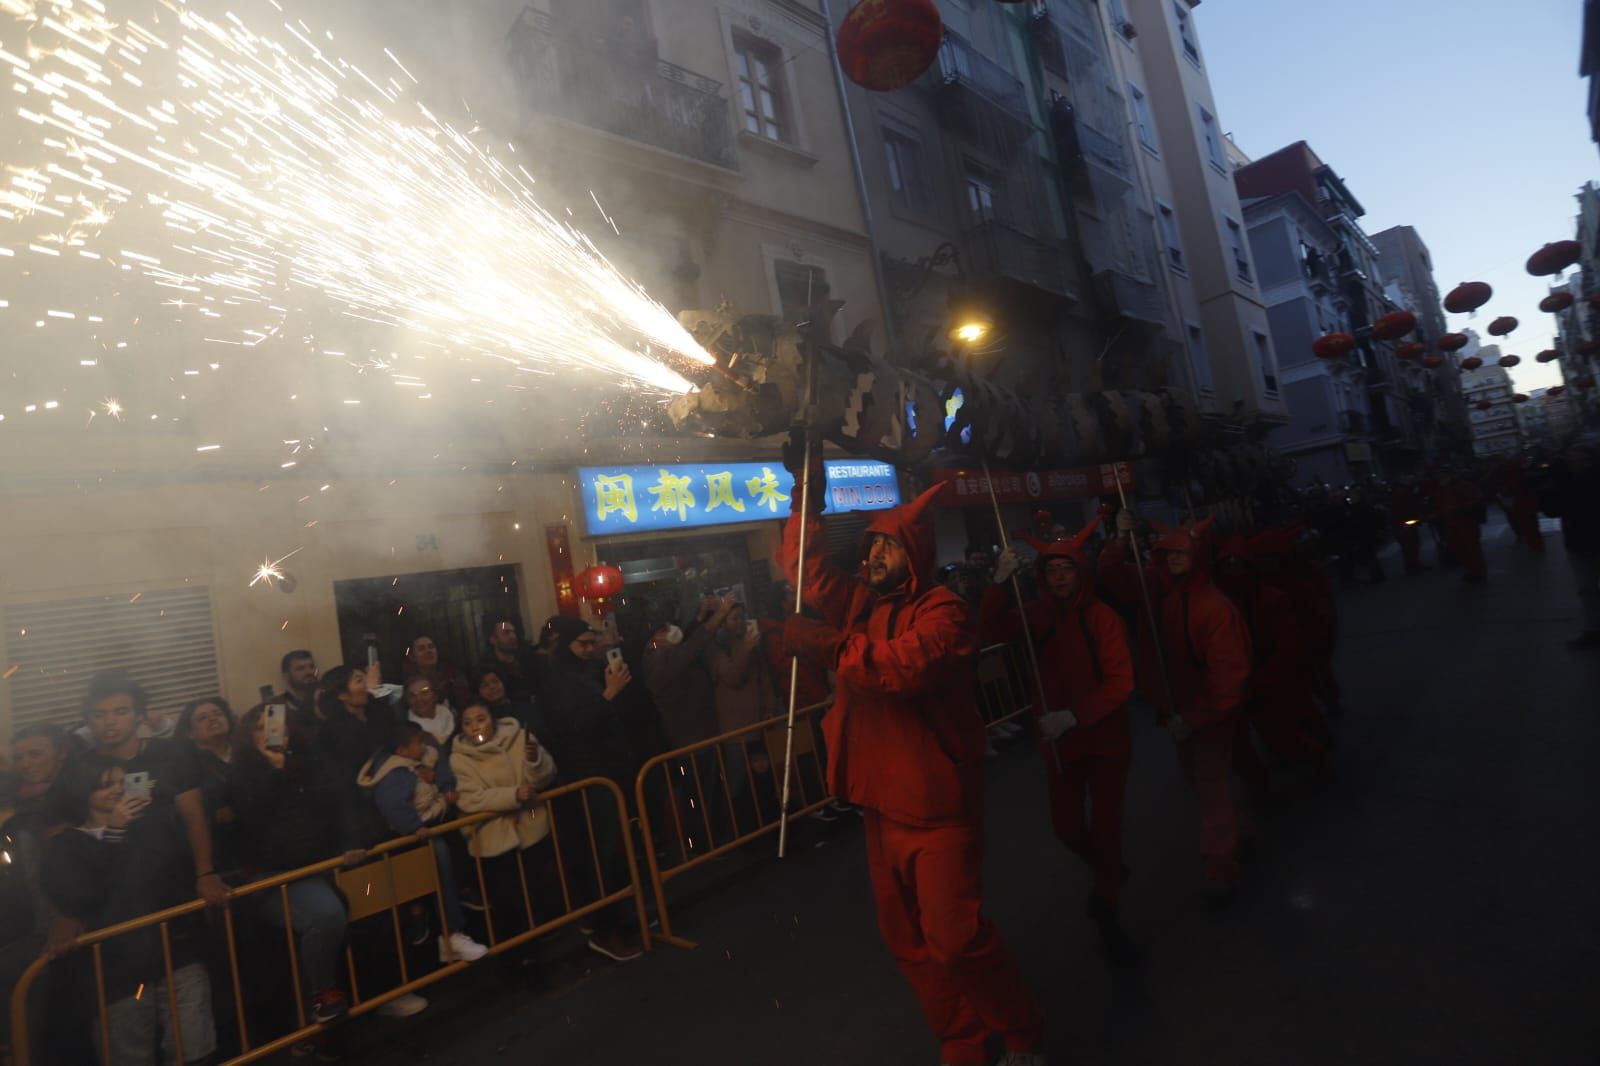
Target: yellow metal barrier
[403,872]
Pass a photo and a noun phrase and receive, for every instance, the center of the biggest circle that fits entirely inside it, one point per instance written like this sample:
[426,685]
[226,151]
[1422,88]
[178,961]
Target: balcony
[1001,250]
[1354,423]
[1052,51]
[622,88]
[1105,159]
[1130,296]
[981,98]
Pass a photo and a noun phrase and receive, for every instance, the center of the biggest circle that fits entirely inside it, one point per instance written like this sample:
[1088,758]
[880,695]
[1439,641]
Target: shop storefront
[678,532]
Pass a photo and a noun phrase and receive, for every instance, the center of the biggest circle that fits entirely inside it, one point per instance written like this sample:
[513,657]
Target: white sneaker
[460,946]
[403,1006]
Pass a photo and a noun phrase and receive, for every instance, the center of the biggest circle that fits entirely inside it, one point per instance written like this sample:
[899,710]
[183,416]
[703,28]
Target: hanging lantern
[1468,296]
[1483,405]
[1555,390]
[1509,361]
[1502,326]
[1452,342]
[1588,348]
[1394,325]
[1433,362]
[1471,362]
[1549,355]
[1411,350]
[885,45]
[1556,301]
[1333,345]
[1520,397]
[599,585]
[1554,257]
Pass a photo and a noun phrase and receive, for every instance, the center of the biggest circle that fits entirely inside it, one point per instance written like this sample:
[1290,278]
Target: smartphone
[372,655]
[265,692]
[276,722]
[752,629]
[137,785]
[614,657]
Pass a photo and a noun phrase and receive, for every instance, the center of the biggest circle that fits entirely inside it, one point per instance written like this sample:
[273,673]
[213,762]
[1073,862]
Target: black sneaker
[329,1006]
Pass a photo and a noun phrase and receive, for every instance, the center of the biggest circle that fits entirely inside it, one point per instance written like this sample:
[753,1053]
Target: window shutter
[163,637]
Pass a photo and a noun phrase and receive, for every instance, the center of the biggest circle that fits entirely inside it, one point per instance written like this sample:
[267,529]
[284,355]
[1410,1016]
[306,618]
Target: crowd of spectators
[130,812]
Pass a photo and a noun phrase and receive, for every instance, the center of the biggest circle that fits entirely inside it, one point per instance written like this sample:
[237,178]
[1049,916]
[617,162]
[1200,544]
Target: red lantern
[1549,355]
[1394,325]
[1555,390]
[1554,257]
[1502,326]
[1468,296]
[1333,345]
[1483,405]
[1509,361]
[1556,301]
[1520,397]
[598,585]
[1433,362]
[885,45]
[1452,342]
[1588,348]
[1411,350]
[1471,362]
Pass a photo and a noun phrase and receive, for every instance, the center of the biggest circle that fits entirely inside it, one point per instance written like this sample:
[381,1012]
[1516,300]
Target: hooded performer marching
[1087,671]
[906,744]
[1206,643]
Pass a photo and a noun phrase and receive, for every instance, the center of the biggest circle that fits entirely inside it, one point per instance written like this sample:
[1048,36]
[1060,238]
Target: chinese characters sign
[645,499]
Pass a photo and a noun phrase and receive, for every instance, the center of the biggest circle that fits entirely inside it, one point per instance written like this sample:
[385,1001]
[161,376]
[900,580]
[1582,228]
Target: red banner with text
[967,487]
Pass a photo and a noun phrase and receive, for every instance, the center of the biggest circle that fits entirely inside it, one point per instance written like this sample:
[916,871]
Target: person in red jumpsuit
[1516,492]
[1206,644]
[1087,671]
[906,744]
[1280,705]
[1406,513]
[1461,511]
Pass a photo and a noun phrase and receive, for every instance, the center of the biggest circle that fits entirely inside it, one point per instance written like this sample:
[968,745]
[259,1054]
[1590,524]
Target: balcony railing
[621,87]
[984,99]
[1048,43]
[993,247]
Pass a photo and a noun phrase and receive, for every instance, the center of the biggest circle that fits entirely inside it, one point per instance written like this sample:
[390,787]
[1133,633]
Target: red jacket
[1204,638]
[1084,659]
[904,734]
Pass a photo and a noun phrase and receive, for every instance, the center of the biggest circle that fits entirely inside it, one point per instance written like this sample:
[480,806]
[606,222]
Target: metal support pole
[1144,593]
[799,601]
[1022,611]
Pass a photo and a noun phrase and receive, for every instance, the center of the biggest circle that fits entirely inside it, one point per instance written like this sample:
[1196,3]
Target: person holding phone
[743,694]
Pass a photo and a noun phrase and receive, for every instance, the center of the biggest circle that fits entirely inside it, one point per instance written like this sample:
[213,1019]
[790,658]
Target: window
[983,196]
[801,287]
[1199,359]
[1186,31]
[1208,129]
[1269,366]
[758,66]
[903,157]
[1241,261]
[1142,118]
[1169,234]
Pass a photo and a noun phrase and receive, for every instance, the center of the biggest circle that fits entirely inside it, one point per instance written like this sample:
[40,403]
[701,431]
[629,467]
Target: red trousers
[1466,542]
[1410,540]
[1208,756]
[928,887]
[1086,810]
[1524,516]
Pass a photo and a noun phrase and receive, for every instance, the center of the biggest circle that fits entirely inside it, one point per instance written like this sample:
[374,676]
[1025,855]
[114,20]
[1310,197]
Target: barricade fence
[585,866]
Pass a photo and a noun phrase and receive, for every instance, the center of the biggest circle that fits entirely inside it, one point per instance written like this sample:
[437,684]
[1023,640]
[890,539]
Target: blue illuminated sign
[647,499]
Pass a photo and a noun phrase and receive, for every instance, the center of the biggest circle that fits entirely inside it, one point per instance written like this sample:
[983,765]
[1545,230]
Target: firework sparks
[271,571]
[245,179]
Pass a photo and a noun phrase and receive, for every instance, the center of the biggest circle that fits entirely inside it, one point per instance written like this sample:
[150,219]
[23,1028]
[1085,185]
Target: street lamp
[971,329]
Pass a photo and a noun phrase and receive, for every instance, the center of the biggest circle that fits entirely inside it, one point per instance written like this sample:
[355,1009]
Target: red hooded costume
[906,743]
[1461,507]
[1207,647]
[1087,668]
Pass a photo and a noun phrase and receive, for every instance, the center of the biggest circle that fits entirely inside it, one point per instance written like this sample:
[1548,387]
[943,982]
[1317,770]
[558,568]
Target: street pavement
[1436,904]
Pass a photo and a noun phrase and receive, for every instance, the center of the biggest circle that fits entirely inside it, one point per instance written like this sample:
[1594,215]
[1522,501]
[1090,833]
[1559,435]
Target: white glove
[1053,724]
[1006,566]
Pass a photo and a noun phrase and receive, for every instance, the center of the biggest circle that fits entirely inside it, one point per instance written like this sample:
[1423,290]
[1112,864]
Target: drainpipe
[861,179]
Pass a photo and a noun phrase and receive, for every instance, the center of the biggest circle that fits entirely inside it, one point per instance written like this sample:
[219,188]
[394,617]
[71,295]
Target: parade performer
[1087,670]
[1207,649]
[1461,510]
[906,744]
[1406,513]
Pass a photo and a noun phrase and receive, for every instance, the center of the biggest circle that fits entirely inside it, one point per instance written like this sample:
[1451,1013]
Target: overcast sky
[1465,120]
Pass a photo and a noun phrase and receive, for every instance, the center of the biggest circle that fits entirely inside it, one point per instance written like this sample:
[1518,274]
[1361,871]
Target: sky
[1464,119]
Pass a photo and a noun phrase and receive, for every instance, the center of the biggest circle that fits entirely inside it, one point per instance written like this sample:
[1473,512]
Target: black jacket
[587,733]
[1574,497]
